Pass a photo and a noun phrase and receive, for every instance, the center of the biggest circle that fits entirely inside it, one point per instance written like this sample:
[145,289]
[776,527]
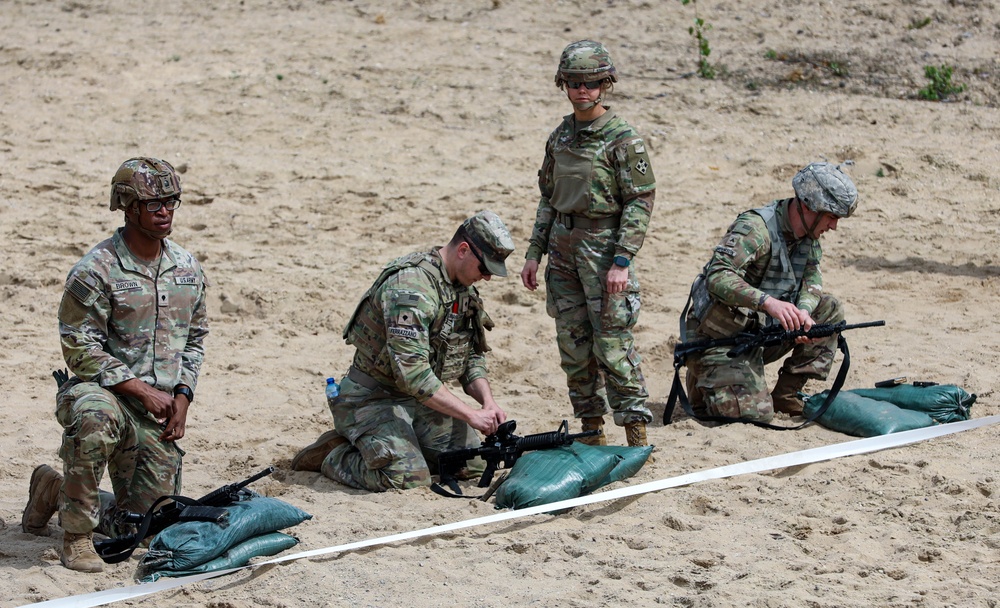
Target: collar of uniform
[131,263]
[439,262]
[784,213]
[597,124]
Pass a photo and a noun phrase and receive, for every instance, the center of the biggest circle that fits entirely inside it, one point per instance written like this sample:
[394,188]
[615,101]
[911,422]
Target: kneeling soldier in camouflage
[420,326]
[131,323]
[766,270]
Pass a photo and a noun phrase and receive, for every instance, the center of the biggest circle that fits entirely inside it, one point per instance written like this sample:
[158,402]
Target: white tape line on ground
[848,448]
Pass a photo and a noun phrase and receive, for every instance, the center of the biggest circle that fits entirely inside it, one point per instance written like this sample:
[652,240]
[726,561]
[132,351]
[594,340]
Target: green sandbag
[565,472]
[188,544]
[942,402]
[238,556]
[863,417]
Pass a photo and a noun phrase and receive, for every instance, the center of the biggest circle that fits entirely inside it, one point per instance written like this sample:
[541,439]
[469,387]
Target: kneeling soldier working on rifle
[132,324]
[420,326]
[768,262]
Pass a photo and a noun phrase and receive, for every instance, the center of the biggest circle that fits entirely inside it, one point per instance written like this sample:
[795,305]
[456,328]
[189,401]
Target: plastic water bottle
[332,390]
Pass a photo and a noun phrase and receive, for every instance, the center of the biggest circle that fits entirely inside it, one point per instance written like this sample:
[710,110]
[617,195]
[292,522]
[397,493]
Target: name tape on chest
[404,332]
[125,285]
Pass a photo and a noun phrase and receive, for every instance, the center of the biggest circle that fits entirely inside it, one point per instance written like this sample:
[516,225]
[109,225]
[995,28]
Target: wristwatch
[187,392]
[622,261]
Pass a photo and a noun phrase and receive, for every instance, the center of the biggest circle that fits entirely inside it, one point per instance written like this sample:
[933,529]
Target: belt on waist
[359,377]
[586,223]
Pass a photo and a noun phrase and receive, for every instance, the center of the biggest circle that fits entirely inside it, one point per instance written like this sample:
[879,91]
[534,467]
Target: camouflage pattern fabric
[602,171]
[594,328]
[100,431]
[741,259]
[736,387]
[393,440]
[721,386]
[413,331]
[119,319]
[113,306]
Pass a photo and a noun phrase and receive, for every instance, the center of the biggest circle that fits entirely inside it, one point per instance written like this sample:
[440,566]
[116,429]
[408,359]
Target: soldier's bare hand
[484,421]
[789,315]
[177,423]
[616,280]
[529,275]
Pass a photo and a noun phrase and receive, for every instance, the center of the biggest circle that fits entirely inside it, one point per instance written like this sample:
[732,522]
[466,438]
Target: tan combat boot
[635,433]
[594,423]
[785,395]
[312,456]
[78,553]
[43,500]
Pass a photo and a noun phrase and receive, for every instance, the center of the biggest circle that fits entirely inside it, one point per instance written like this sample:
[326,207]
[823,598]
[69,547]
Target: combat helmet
[824,188]
[144,179]
[585,61]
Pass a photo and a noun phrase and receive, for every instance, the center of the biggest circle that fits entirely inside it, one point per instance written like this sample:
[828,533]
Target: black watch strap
[186,391]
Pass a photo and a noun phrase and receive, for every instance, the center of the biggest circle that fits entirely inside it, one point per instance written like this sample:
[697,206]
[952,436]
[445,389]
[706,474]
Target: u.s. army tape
[839,450]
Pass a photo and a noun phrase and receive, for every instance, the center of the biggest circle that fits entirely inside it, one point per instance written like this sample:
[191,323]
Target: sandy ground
[319,139]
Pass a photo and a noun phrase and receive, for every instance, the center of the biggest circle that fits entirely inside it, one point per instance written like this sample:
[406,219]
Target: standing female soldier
[597,191]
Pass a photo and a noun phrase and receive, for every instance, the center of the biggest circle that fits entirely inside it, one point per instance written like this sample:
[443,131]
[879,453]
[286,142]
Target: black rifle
[744,342]
[210,507]
[500,450]
[772,335]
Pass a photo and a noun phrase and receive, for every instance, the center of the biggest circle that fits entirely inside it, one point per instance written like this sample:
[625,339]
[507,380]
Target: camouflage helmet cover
[824,188]
[144,179]
[585,61]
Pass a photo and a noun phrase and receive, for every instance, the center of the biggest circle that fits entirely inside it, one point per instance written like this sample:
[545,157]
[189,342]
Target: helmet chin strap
[583,107]
[811,230]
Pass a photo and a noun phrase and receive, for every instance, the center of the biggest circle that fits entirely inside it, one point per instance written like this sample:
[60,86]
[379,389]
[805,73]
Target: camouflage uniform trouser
[393,440]
[720,386]
[100,430]
[594,328]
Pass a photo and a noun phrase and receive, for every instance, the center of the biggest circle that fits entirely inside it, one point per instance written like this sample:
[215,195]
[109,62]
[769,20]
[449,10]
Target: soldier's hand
[484,421]
[529,274]
[616,280]
[158,403]
[177,422]
[789,315]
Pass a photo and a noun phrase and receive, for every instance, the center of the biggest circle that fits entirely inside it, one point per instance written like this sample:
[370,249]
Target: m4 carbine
[501,450]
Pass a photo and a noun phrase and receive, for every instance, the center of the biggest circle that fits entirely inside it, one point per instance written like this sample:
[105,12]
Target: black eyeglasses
[590,85]
[170,204]
[483,270]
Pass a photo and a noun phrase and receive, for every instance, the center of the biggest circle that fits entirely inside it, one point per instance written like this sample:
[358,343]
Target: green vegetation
[917,24]
[698,31]
[940,86]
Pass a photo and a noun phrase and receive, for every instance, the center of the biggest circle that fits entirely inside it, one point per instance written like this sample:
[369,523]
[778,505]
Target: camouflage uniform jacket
[740,264]
[121,318]
[415,329]
[600,171]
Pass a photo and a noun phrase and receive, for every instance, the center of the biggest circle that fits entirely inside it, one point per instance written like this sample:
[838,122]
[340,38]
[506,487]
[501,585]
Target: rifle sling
[677,394]
[455,490]
[141,532]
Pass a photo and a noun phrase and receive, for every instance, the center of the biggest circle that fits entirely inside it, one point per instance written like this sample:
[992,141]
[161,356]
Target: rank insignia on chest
[161,299]
[642,166]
